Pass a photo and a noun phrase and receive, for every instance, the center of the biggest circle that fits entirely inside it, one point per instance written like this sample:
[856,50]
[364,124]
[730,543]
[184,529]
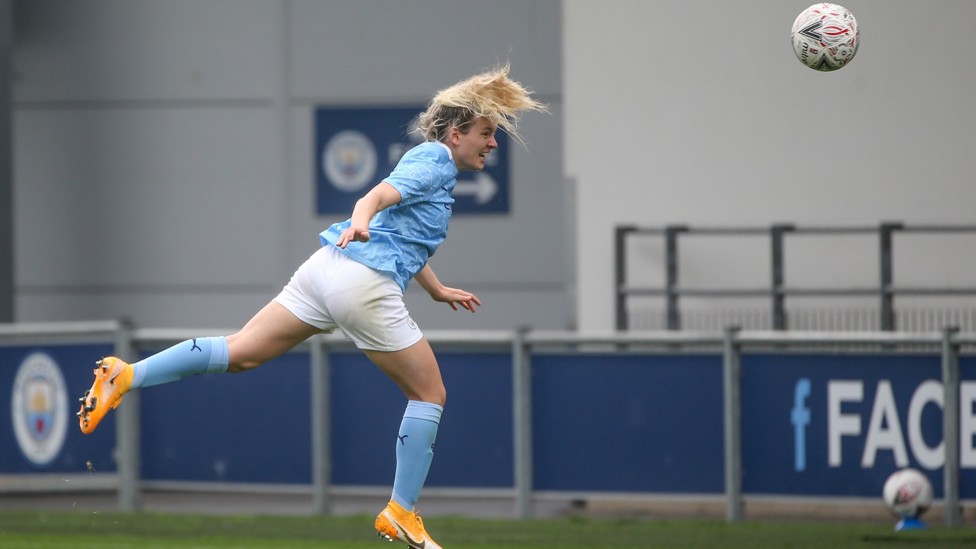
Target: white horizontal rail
[143,336]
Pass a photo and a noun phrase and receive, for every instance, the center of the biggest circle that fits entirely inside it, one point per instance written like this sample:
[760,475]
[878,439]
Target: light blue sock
[415,451]
[194,356]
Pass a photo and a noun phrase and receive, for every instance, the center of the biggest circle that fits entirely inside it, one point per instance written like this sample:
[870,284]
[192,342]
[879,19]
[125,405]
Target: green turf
[43,530]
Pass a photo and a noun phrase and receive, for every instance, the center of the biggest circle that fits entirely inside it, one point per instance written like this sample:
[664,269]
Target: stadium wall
[164,152]
[189,125]
[698,113]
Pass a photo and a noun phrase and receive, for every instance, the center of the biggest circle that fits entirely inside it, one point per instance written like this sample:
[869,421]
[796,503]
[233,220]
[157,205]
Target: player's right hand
[353,234]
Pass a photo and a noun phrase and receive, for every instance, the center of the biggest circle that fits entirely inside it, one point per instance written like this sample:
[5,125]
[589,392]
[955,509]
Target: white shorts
[331,291]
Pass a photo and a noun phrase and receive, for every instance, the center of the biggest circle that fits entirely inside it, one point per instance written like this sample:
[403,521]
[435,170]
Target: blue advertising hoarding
[839,425]
[474,440]
[38,427]
[355,148]
[812,424]
[628,423]
[254,427]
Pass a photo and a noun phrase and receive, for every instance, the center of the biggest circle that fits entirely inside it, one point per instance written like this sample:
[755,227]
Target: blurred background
[163,160]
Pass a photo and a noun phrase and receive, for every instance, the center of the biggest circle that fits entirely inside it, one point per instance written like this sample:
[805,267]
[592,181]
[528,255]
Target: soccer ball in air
[907,493]
[825,37]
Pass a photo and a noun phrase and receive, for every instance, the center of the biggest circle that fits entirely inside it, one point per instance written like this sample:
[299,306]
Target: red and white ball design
[825,37]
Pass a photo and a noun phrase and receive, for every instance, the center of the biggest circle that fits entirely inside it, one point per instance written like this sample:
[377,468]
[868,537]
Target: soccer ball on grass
[825,37]
[907,493]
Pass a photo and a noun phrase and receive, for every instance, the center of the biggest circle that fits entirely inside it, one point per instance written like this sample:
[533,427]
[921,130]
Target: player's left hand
[456,297]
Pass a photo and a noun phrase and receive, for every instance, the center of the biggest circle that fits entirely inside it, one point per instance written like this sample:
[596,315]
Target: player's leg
[368,306]
[114,377]
[270,333]
[292,317]
[416,372]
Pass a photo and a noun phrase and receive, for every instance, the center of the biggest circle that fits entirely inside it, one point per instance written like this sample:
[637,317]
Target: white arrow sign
[483,188]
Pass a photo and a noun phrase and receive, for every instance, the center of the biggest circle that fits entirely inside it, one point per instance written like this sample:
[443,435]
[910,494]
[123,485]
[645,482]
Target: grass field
[41,530]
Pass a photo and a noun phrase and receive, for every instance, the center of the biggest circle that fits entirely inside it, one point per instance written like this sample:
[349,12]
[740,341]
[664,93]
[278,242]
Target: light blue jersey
[404,236]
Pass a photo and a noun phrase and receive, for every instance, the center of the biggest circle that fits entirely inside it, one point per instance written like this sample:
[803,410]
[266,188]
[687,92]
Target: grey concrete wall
[6,168]
[699,113]
[163,152]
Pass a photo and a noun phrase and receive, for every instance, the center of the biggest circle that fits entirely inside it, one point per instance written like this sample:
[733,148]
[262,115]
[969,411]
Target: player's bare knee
[238,366]
[240,355]
[235,368]
[438,396]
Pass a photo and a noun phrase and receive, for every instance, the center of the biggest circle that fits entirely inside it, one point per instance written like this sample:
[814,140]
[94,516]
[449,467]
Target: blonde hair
[489,94]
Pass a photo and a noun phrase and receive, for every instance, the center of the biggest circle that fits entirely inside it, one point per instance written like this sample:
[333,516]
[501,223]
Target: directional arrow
[483,188]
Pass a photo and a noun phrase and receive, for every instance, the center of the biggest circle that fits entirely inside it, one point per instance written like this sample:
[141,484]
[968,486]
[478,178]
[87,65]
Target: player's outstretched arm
[376,200]
[445,294]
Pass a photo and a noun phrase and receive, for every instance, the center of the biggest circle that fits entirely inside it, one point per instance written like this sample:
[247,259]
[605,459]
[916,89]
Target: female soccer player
[355,282]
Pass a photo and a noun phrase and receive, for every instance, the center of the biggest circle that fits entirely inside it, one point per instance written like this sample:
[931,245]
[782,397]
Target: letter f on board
[800,417]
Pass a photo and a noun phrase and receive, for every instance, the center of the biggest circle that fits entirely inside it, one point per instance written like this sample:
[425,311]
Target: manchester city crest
[39,409]
[349,161]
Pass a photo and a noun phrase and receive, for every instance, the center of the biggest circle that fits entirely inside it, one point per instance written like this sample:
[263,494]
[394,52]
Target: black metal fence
[777,290]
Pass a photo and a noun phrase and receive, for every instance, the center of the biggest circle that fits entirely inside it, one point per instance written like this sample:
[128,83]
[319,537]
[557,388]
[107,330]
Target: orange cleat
[113,378]
[396,523]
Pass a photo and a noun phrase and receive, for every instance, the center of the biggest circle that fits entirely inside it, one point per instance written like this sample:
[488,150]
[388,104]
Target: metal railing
[776,290]
[523,343]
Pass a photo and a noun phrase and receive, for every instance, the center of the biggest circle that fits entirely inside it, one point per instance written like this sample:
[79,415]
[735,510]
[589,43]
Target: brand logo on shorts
[412,324]
[39,409]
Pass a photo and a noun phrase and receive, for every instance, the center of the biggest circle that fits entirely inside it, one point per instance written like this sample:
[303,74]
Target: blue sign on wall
[812,424]
[38,428]
[255,427]
[639,423]
[840,425]
[474,440]
[355,148]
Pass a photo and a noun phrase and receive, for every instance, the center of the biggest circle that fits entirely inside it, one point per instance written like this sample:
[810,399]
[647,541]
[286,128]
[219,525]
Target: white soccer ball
[907,493]
[825,37]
